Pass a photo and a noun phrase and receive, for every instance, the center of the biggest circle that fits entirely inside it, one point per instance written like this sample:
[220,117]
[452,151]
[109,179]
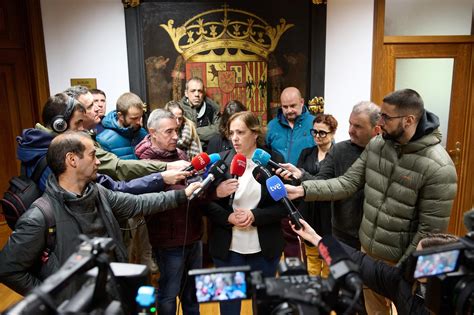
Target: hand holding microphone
[277,190]
[237,169]
[216,171]
[264,158]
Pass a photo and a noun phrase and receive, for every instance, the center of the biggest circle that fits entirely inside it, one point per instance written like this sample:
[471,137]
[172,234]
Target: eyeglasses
[319,133]
[386,117]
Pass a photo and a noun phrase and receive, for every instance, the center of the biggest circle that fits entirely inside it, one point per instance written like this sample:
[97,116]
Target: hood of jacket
[33,144]
[110,121]
[427,134]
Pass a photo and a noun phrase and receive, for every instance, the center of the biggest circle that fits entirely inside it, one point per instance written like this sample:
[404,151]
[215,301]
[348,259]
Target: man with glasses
[409,184]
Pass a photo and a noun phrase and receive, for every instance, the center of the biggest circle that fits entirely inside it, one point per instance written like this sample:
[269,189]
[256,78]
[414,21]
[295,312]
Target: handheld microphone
[342,268]
[277,190]
[261,174]
[216,171]
[198,162]
[264,158]
[237,169]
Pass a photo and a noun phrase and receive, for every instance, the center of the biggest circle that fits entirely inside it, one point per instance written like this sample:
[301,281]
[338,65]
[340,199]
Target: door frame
[386,49]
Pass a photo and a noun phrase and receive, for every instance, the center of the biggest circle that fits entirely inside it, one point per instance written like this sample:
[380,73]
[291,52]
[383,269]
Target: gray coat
[20,265]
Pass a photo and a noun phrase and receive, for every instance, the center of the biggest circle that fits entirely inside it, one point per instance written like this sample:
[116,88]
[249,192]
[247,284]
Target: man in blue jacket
[123,127]
[289,132]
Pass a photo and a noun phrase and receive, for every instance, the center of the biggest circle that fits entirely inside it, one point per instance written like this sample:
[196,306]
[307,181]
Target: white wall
[349,35]
[86,39]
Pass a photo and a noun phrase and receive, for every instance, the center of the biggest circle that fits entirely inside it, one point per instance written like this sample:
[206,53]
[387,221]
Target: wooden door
[390,50]
[23,78]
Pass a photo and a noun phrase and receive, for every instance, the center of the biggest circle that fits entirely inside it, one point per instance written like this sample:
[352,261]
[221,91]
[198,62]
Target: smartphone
[221,284]
[436,263]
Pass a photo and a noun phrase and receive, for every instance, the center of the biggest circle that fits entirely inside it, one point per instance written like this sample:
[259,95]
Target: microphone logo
[201,160]
[275,187]
[324,251]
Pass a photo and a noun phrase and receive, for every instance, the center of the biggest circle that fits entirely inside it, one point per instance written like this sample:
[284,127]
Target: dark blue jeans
[174,278]
[256,262]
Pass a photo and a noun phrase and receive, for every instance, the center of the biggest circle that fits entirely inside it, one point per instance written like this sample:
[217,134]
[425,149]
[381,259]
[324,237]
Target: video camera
[87,283]
[449,270]
[293,292]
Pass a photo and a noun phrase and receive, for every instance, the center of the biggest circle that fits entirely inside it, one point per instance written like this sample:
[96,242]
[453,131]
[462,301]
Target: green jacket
[409,190]
[119,169]
[207,131]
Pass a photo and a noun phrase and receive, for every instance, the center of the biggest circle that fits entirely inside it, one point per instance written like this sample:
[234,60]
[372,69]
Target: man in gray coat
[409,183]
[80,206]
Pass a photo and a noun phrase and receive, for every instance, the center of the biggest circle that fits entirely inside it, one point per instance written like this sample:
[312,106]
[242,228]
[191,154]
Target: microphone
[237,169]
[277,190]
[216,171]
[342,268]
[261,174]
[264,158]
[198,162]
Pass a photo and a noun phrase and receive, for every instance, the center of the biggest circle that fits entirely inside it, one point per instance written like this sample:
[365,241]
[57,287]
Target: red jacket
[168,228]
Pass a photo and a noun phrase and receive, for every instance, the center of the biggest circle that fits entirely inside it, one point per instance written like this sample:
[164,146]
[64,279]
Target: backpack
[21,194]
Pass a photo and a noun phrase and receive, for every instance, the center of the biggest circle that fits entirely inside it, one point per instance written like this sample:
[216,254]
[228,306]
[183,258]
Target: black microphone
[277,190]
[342,268]
[261,174]
[216,171]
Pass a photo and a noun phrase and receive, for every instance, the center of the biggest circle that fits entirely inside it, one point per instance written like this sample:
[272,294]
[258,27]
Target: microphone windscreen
[200,161]
[261,157]
[214,157]
[261,174]
[238,165]
[331,250]
[276,188]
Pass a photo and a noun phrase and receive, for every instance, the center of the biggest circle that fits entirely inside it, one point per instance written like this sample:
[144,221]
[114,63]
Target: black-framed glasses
[320,133]
[386,117]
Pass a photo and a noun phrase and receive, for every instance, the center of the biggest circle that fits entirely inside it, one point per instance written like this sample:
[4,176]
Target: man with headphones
[110,164]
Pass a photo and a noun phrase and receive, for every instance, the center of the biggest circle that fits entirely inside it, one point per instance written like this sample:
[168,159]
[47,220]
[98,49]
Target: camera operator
[80,206]
[395,283]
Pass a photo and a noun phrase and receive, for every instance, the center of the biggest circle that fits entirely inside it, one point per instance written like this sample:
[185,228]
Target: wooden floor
[8,297]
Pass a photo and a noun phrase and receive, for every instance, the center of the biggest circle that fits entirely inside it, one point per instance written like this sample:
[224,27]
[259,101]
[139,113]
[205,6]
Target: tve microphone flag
[342,268]
[277,190]
[198,162]
[216,171]
[237,169]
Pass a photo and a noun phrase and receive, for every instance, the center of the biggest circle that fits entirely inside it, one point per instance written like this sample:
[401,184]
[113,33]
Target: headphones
[59,123]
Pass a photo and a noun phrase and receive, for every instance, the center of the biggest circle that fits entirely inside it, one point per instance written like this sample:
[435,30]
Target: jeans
[174,279]
[256,262]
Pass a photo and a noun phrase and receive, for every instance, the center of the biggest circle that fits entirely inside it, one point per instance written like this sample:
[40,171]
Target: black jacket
[268,215]
[388,281]
[316,213]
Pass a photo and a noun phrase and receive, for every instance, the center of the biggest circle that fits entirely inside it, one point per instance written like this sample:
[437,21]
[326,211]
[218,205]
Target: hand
[177,165]
[172,177]
[294,192]
[287,170]
[191,188]
[241,218]
[227,187]
[307,232]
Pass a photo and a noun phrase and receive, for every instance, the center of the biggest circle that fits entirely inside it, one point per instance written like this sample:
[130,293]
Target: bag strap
[39,169]
[45,207]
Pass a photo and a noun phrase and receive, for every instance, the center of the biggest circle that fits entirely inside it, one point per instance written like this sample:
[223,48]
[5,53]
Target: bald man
[289,132]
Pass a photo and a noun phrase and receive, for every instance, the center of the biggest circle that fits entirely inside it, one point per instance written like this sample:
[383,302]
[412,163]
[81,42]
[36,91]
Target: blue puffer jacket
[118,140]
[287,141]
[32,146]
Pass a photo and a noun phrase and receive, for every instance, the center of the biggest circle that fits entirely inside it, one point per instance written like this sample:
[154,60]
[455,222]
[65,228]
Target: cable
[353,302]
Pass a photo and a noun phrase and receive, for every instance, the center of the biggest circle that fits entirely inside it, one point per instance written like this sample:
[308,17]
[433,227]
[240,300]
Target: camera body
[449,270]
[293,292]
